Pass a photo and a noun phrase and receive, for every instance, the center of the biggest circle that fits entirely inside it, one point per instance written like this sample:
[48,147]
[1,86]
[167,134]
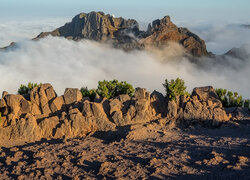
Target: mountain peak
[125,33]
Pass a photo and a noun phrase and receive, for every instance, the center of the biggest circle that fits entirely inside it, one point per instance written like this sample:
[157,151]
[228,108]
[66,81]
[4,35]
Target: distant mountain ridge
[126,34]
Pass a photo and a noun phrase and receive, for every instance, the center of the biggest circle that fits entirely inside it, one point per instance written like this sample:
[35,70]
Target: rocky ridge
[126,34]
[44,115]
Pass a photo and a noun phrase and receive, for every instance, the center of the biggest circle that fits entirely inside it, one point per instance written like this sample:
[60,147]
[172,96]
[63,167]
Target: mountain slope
[126,34]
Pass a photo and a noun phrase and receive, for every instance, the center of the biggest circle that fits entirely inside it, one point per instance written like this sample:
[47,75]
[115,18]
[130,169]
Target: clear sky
[142,10]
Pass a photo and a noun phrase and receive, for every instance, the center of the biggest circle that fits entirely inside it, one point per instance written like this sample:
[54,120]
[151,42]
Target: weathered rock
[207,94]
[16,105]
[205,107]
[72,95]
[48,126]
[4,94]
[172,109]
[158,103]
[29,119]
[87,111]
[57,105]
[42,96]
[102,121]
[124,97]
[81,125]
[63,129]
[25,129]
[115,105]
[141,93]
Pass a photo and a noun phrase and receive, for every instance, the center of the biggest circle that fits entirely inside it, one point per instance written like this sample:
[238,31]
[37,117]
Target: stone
[4,94]
[124,98]
[63,130]
[57,104]
[172,109]
[205,107]
[115,105]
[13,102]
[158,103]
[72,95]
[206,94]
[48,125]
[102,121]
[141,93]
[81,125]
[42,96]
[26,129]
[87,111]
[25,106]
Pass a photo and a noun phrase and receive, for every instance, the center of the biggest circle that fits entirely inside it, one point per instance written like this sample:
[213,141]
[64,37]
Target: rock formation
[126,34]
[43,114]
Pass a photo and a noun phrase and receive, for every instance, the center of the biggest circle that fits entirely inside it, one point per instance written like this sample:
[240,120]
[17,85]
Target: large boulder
[72,95]
[158,104]
[25,129]
[57,105]
[204,106]
[207,94]
[42,96]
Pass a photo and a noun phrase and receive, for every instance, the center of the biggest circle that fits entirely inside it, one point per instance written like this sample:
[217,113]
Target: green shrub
[175,88]
[230,99]
[110,89]
[23,89]
[247,104]
[88,93]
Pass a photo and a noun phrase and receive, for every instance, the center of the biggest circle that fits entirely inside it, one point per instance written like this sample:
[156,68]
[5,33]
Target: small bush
[247,104]
[88,93]
[110,89]
[230,99]
[23,89]
[175,88]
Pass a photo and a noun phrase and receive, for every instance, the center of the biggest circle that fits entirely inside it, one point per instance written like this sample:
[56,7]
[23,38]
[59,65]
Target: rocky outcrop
[43,114]
[162,31]
[126,34]
[204,106]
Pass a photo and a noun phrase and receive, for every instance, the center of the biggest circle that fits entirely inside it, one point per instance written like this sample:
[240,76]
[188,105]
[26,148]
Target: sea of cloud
[65,63]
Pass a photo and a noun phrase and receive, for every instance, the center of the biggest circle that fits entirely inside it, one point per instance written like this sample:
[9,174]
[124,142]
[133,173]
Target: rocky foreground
[45,136]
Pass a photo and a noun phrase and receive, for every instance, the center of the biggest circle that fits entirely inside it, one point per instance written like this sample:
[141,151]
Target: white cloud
[65,63]
[19,29]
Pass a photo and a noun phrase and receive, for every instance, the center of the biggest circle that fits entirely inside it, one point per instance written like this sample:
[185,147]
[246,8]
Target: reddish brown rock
[72,95]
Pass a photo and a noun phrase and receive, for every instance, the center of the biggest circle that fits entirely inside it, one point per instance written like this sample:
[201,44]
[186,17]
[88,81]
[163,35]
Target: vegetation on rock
[23,89]
[175,88]
[111,89]
[247,103]
[231,99]
[108,89]
[91,94]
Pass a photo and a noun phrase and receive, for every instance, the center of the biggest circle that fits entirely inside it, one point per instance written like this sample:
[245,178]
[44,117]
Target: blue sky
[142,10]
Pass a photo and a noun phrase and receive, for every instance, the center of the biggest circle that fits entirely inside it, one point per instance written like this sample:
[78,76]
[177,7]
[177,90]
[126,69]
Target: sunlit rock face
[126,34]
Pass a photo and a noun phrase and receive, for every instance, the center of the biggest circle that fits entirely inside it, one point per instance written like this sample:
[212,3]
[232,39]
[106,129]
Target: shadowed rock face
[126,34]
[43,114]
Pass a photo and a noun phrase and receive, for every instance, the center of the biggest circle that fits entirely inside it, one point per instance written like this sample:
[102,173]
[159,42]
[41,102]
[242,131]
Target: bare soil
[149,151]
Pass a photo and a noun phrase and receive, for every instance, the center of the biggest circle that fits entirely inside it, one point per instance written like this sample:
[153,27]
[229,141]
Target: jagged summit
[94,25]
[126,34]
